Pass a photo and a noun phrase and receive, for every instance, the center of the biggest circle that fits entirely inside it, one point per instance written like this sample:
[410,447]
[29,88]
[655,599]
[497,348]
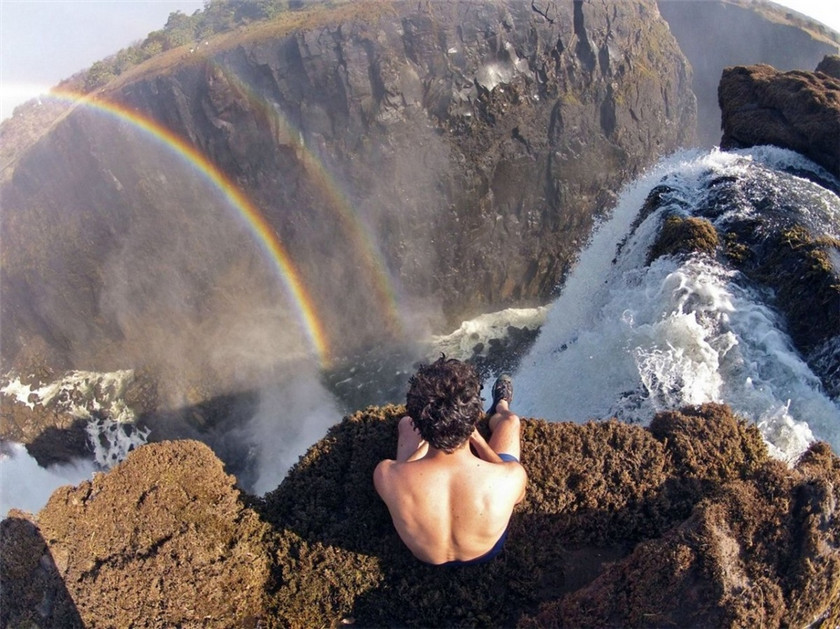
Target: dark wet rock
[776,247]
[799,267]
[796,110]
[52,420]
[683,236]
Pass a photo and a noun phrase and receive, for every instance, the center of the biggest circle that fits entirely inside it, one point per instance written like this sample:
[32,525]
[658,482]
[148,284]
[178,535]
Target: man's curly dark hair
[444,402]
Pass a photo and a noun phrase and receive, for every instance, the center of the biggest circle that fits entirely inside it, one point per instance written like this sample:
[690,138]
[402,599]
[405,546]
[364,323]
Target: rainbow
[263,232]
[352,225]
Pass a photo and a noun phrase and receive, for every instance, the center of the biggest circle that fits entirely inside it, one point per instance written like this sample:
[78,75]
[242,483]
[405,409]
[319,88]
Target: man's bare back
[454,506]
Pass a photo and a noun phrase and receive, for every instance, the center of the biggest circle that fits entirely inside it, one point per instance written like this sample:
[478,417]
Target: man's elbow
[524,486]
[378,477]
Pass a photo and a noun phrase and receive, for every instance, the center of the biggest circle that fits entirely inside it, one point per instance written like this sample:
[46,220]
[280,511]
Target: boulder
[685,523]
[830,65]
[796,110]
[679,235]
[163,539]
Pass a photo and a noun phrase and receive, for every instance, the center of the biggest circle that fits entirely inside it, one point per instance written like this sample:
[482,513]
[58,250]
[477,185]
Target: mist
[152,268]
[290,417]
[27,486]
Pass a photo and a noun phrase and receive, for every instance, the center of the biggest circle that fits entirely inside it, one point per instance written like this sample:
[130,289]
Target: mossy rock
[752,554]
[705,443]
[595,492]
[688,523]
[798,266]
[163,539]
[684,235]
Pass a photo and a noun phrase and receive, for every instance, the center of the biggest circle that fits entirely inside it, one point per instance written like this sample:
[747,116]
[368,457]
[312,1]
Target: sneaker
[502,390]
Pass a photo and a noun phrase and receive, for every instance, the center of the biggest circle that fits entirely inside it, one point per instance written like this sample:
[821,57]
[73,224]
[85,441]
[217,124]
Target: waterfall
[625,339]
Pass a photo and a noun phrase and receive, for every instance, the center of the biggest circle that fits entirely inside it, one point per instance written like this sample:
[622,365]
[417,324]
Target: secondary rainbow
[338,201]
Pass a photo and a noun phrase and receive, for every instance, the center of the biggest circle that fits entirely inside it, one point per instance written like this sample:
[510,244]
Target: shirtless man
[451,493]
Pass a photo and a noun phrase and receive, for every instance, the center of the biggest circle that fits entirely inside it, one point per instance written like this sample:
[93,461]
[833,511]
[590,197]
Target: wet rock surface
[778,247]
[53,413]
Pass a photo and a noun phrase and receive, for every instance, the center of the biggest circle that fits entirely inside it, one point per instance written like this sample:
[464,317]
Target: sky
[45,41]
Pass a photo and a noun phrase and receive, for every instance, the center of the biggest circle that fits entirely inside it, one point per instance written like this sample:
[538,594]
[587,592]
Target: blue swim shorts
[507,458]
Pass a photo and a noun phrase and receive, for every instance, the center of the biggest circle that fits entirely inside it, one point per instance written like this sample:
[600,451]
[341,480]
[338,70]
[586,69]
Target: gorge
[296,205]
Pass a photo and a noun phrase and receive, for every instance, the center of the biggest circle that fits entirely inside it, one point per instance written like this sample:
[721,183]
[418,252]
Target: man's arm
[483,449]
[486,453]
[379,476]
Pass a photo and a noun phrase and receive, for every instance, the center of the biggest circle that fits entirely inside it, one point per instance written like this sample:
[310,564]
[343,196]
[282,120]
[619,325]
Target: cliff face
[454,154]
[687,523]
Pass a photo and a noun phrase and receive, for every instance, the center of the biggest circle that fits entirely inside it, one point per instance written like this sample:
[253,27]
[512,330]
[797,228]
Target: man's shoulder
[509,473]
[388,470]
[384,466]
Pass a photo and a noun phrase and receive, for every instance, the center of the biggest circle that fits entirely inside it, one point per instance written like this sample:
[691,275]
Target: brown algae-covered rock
[686,523]
[647,525]
[161,540]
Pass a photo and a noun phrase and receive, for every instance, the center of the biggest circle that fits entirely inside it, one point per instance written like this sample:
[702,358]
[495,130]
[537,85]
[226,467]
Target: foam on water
[98,399]
[627,340]
[480,330]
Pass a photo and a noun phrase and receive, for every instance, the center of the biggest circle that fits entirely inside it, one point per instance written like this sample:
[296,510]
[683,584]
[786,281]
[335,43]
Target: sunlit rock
[797,110]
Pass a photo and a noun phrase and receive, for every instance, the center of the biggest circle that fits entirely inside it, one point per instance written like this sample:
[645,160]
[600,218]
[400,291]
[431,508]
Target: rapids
[627,340]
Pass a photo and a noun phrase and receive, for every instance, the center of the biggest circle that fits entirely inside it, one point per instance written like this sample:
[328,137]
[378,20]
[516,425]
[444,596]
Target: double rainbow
[264,234]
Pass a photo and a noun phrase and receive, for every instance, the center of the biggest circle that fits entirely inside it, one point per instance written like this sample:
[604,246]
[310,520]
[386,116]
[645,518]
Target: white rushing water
[627,340]
[97,399]
[27,486]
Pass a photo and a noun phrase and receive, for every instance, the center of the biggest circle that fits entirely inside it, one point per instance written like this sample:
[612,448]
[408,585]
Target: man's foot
[502,390]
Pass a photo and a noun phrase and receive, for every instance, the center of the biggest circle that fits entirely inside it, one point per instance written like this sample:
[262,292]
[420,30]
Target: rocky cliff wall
[419,162]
